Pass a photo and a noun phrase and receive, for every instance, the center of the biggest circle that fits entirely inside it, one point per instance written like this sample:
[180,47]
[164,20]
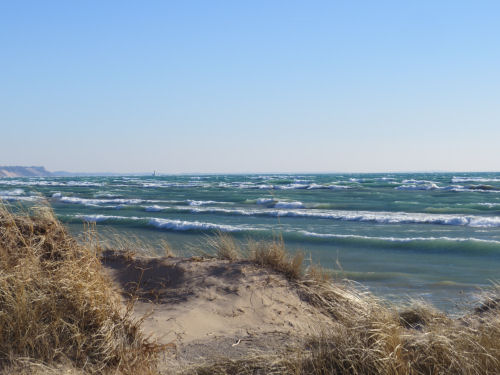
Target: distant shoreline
[17,171]
[40,171]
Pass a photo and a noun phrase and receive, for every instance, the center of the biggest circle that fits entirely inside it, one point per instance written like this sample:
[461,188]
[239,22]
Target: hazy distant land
[17,171]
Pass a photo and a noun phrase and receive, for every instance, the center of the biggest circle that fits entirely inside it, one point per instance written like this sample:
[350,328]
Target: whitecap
[90,202]
[154,208]
[361,216]
[296,204]
[100,218]
[419,186]
[265,200]
[475,179]
[202,203]
[181,225]
[12,193]
[397,239]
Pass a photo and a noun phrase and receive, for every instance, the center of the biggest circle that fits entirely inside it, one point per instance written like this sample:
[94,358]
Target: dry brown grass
[168,251]
[224,246]
[369,335]
[111,239]
[57,306]
[58,314]
[370,339]
[274,255]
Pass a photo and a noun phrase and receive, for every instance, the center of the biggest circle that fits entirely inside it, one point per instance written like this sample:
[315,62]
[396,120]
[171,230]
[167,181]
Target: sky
[250,86]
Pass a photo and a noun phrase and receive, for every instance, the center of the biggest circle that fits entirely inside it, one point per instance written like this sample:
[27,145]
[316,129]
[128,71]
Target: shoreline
[87,309]
[423,236]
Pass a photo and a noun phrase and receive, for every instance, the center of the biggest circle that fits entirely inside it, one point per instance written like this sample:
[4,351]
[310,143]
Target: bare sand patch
[206,307]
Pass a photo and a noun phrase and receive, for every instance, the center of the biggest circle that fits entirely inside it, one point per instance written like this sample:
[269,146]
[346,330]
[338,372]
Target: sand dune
[253,311]
[204,308]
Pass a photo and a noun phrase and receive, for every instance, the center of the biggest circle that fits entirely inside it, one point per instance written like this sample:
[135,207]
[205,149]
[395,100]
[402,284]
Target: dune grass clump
[56,305]
[370,338]
[57,308]
[224,246]
[375,337]
[111,239]
[274,255]
[269,254]
[368,335]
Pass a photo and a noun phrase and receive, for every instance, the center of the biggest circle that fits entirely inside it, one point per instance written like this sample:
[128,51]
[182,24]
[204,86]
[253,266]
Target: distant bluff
[24,172]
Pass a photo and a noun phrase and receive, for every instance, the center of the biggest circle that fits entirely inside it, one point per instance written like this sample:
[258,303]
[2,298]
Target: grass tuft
[370,336]
[224,246]
[56,305]
[275,256]
[167,249]
[59,312]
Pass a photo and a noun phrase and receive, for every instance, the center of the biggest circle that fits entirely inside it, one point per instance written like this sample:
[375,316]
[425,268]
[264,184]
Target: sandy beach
[77,307]
[204,308]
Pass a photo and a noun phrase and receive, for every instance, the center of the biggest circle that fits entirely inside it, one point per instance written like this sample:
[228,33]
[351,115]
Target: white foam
[453,187]
[317,186]
[296,204]
[11,198]
[169,224]
[83,184]
[419,186]
[154,208]
[152,185]
[338,187]
[100,218]
[57,195]
[224,185]
[265,200]
[181,225]
[396,239]
[291,186]
[94,202]
[12,193]
[484,222]
[332,186]
[458,188]
[361,216]
[489,205]
[216,210]
[240,185]
[474,179]
[418,182]
[202,203]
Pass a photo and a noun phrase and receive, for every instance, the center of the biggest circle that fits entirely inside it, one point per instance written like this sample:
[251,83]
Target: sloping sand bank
[266,313]
[206,308]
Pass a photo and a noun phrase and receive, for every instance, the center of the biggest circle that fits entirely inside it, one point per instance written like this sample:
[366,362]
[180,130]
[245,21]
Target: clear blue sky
[254,86]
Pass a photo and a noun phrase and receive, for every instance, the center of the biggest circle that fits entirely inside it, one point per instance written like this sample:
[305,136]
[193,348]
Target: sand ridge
[205,307]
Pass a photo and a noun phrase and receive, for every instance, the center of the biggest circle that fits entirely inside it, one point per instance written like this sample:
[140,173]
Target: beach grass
[371,336]
[57,308]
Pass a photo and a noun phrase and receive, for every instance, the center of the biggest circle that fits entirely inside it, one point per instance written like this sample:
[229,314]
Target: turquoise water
[434,236]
